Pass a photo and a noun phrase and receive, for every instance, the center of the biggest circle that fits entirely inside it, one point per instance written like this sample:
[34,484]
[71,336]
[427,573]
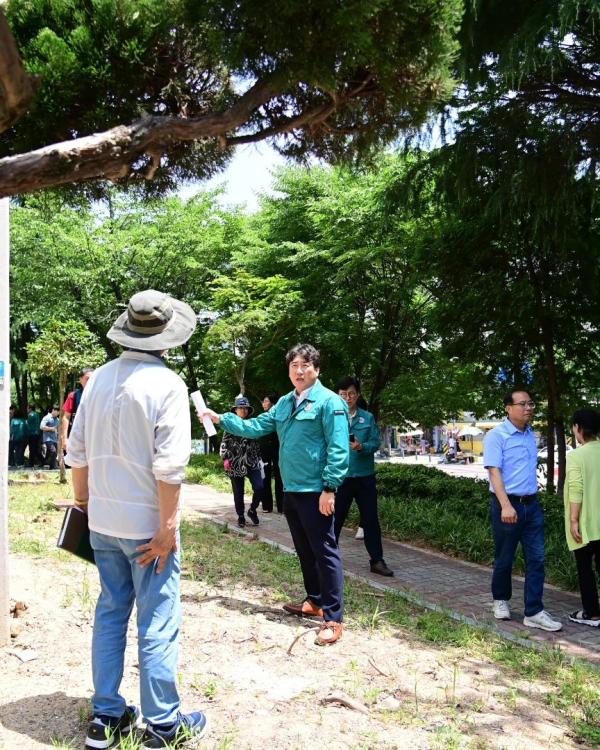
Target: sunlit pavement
[474,470]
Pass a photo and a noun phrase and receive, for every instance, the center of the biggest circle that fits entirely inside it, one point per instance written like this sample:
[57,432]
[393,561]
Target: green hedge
[424,506]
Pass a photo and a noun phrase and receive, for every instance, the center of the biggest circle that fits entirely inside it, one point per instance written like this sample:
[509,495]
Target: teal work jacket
[314,442]
[365,430]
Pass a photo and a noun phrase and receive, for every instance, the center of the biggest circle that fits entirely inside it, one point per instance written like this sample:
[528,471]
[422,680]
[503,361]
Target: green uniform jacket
[18,429]
[314,442]
[365,430]
[33,424]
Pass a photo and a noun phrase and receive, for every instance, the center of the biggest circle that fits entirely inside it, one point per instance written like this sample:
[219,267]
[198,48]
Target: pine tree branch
[17,88]
[126,149]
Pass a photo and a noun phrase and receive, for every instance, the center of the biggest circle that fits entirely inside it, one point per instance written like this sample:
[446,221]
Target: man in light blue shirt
[510,456]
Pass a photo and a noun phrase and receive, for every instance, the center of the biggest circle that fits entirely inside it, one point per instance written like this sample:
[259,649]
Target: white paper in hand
[198,402]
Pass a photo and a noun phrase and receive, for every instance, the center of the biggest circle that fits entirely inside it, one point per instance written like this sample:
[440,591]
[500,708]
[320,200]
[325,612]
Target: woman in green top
[582,511]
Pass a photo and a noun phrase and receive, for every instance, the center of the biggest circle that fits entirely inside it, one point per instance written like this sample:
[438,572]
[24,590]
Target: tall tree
[64,348]
[165,90]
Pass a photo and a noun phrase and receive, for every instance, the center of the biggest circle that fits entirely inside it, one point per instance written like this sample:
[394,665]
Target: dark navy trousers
[364,491]
[314,539]
[237,485]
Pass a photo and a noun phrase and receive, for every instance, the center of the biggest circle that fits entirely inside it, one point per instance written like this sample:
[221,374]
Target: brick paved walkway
[461,589]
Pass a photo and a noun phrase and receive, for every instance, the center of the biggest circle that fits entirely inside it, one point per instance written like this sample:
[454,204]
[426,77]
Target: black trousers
[33,441]
[586,558]
[48,452]
[237,485]
[272,471]
[16,452]
[318,552]
[364,491]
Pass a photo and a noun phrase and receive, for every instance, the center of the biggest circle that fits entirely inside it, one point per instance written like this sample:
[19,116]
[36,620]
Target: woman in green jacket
[582,511]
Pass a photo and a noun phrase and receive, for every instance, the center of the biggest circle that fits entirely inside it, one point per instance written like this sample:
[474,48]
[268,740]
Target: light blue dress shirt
[514,452]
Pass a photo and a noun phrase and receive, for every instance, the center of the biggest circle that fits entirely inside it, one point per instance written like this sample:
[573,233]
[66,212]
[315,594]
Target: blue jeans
[364,491]
[123,581]
[529,530]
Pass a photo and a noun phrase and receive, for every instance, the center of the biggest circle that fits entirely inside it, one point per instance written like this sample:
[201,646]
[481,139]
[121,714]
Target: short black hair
[588,421]
[508,398]
[273,398]
[55,407]
[346,383]
[307,352]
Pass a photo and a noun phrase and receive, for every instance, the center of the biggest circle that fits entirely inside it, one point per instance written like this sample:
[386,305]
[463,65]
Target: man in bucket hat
[129,446]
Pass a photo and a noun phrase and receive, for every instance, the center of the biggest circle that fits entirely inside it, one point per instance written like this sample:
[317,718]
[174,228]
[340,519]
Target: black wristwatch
[329,489]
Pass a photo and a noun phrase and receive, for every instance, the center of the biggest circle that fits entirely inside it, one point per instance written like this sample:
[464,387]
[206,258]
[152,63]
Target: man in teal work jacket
[360,483]
[312,426]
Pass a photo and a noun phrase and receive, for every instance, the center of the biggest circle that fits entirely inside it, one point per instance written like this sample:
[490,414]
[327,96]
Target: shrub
[422,505]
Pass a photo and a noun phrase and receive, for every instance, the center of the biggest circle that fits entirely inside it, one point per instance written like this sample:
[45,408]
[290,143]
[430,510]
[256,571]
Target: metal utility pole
[4,421]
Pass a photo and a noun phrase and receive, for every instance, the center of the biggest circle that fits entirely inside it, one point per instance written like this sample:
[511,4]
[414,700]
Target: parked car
[542,467]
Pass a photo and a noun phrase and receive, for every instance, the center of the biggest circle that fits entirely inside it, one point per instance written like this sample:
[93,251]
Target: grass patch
[33,521]
[572,688]
[208,470]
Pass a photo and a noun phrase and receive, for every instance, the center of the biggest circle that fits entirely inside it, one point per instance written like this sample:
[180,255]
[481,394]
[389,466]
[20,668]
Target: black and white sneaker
[106,731]
[581,618]
[253,516]
[187,727]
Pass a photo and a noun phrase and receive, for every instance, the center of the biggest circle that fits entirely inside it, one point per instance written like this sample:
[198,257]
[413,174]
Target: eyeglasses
[524,404]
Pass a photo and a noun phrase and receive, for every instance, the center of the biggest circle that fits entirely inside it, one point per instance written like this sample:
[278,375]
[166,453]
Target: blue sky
[248,174]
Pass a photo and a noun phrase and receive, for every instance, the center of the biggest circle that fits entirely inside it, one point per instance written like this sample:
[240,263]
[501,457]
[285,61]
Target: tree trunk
[17,389]
[192,381]
[24,393]
[62,385]
[240,375]
[562,455]
[550,448]
[555,420]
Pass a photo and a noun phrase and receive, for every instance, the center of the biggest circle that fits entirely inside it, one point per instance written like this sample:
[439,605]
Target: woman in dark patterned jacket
[241,459]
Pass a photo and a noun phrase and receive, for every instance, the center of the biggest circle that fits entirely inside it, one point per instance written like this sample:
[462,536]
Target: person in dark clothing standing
[33,435]
[18,437]
[360,483]
[241,459]
[269,452]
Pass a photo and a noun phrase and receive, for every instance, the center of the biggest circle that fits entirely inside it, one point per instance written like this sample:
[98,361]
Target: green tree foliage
[189,81]
[251,314]
[85,266]
[366,305]
[514,252]
[63,348]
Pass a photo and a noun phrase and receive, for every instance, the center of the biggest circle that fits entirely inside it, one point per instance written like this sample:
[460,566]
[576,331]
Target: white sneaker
[501,610]
[542,620]
[360,534]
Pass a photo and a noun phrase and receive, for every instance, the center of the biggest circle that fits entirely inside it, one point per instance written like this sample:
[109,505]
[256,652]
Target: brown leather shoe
[304,609]
[329,633]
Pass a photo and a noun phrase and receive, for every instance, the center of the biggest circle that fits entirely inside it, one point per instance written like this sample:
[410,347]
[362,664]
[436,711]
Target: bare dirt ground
[235,667]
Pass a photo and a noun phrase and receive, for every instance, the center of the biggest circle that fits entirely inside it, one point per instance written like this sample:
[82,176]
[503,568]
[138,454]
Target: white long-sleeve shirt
[131,429]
